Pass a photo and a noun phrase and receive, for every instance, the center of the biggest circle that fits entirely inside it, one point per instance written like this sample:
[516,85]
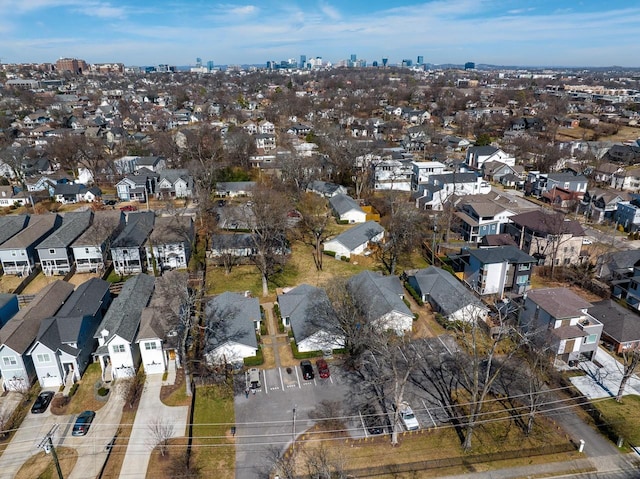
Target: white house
[346,209]
[231,321]
[355,240]
[478,155]
[117,352]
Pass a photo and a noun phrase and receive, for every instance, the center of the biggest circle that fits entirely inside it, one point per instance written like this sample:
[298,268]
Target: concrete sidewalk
[150,411]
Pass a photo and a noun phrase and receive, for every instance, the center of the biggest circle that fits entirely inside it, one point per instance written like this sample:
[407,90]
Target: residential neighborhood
[229,265]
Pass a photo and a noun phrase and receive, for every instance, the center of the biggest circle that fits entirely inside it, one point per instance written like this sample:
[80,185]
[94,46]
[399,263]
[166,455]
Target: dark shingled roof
[560,303]
[382,294]
[548,223]
[619,323]
[138,229]
[306,307]
[73,225]
[358,235]
[230,317]
[123,316]
[12,225]
[39,225]
[21,330]
[499,254]
[342,204]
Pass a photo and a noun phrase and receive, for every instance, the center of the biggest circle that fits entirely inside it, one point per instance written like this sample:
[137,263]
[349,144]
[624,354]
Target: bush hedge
[298,355]
[413,293]
[256,360]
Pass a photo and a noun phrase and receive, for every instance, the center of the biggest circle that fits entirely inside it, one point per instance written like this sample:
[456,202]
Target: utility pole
[293,431]
[47,445]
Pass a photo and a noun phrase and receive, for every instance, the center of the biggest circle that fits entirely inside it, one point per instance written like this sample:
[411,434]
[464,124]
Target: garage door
[154,368]
[51,382]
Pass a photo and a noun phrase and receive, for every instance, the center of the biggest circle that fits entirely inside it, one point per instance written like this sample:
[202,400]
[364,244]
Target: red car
[129,208]
[323,368]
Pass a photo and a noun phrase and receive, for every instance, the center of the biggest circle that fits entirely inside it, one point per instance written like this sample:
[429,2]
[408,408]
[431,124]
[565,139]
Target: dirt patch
[40,282]
[9,283]
[79,278]
[41,464]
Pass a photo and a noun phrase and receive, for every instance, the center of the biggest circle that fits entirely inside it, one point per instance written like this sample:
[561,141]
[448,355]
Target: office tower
[210,65]
[303,61]
[384,62]
[469,66]
[198,62]
[420,60]
[407,62]
[375,63]
[354,57]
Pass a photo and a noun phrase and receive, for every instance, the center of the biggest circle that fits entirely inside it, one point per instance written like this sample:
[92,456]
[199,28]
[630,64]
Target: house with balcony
[18,254]
[441,188]
[128,248]
[91,249]
[539,183]
[481,216]
[558,320]
[627,214]
[65,342]
[175,184]
[170,243]
[499,270]
[20,332]
[551,238]
[55,252]
[423,170]
[117,352]
[392,174]
[137,187]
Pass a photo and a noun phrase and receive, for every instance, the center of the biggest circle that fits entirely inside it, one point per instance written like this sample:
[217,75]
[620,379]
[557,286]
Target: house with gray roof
[232,189]
[326,189]
[382,298]
[170,243]
[65,342]
[621,326]
[559,320]
[355,240]
[91,249]
[307,311]
[17,336]
[117,352]
[231,321]
[175,183]
[498,270]
[69,193]
[11,225]
[55,252]
[447,295]
[128,249]
[346,209]
[18,254]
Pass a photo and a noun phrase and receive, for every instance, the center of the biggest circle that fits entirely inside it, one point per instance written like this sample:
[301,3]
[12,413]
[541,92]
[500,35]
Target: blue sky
[149,32]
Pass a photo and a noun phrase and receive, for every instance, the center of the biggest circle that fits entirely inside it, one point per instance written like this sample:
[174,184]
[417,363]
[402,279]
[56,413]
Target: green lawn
[212,418]
[624,418]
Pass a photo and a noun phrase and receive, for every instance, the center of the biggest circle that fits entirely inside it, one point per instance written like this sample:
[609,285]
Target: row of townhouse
[61,331]
[137,243]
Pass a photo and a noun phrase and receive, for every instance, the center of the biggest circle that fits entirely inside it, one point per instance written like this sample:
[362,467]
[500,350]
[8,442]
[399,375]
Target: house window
[520,280]
[525,267]
[86,250]
[150,346]
[9,360]
[52,251]
[118,348]
[592,338]
[43,358]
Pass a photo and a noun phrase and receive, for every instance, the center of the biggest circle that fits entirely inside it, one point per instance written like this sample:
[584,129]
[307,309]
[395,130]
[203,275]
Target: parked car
[84,420]
[373,419]
[42,402]
[307,369]
[323,368]
[408,417]
[254,378]
[109,202]
[129,208]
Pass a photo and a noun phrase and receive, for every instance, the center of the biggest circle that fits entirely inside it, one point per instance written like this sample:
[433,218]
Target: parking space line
[266,388]
[297,378]
[281,381]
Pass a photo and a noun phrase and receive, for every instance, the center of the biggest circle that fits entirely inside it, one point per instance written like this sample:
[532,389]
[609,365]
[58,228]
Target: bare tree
[316,218]
[630,362]
[183,465]
[160,432]
[269,211]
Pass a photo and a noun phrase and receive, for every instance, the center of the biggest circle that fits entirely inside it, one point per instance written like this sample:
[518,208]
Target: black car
[307,369]
[373,419]
[84,420]
[42,402]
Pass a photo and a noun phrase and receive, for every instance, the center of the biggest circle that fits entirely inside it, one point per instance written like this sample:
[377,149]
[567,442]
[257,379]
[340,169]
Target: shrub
[330,253]
[73,389]
[256,360]
[102,392]
[406,302]
[413,293]
[346,259]
[343,222]
[298,355]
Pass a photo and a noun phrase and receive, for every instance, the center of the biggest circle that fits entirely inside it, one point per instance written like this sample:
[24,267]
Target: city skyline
[517,32]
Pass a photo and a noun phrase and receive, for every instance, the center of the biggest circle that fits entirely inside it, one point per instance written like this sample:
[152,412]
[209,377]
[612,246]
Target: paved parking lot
[281,380]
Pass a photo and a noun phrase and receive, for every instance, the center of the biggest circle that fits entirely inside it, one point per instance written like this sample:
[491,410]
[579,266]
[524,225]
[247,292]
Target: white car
[587,240]
[408,417]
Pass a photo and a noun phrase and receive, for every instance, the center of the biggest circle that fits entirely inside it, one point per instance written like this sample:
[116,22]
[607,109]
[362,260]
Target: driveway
[150,411]
[603,377]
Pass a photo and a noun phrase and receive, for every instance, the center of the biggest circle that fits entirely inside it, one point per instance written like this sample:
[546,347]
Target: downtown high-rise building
[303,61]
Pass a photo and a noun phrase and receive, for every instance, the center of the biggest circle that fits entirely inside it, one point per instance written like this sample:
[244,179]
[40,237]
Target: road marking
[264,375]
[298,378]
[281,381]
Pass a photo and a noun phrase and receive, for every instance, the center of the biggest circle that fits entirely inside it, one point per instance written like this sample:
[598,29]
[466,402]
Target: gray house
[355,240]
[347,209]
[18,254]
[446,295]
[91,249]
[55,252]
[326,189]
[17,336]
[127,250]
[117,352]
[169,245]
[65,342]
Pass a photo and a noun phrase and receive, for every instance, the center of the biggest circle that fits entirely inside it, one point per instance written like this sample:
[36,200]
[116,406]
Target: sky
[150,32]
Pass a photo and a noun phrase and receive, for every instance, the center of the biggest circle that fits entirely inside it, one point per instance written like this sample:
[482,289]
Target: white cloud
[330,11]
